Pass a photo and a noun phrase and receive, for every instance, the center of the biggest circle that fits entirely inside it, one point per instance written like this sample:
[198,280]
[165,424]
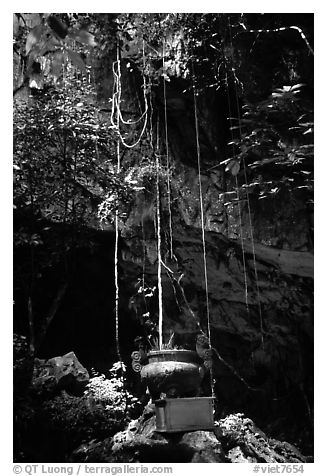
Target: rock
[235,439]
[23,364]
[247,443]
[298,263]
[44,381]
[236,455]
[127,434]
[205,446]
[270,361]
[154,447]
[193,446]
[140,443]
[92,452]
[60,373]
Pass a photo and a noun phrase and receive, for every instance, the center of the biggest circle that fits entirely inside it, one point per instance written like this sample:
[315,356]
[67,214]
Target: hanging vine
[159,238]
[117,237]
[167,153]
[202,226]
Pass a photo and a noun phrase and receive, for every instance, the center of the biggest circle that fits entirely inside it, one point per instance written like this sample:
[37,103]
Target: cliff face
[260,295]
[260,290]
[261,303]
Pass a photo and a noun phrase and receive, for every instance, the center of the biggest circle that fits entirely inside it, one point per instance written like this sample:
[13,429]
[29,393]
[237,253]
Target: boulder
[245,443]
[60,373]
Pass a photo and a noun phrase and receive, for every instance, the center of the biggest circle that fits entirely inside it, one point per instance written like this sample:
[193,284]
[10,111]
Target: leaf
[297,86]
[233,166]
[57,26]
[306,124]
[33,37]
[83,36]
[76,59]
[291,156]
[235,169]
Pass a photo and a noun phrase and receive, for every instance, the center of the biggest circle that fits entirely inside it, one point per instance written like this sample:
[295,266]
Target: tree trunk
[52,312]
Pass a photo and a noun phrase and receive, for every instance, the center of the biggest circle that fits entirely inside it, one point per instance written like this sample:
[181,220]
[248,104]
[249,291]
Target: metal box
[184,414]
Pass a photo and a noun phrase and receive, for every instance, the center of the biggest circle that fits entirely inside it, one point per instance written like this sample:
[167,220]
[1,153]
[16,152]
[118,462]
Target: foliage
[44,42]
[59,147]
[138,185]
[274,139]
[76,419]
[65,142]
[62,168]
[211,47]
[204,43]
[58,425]
[23,365]
[229,52]
[65,421]
[168,346]
[111,394]
[119,198]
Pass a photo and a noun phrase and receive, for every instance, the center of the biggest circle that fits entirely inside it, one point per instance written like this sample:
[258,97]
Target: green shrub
[74,419]
[111,393]
[52,429]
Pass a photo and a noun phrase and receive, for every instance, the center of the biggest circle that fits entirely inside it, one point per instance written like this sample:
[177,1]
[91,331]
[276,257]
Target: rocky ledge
[235,439]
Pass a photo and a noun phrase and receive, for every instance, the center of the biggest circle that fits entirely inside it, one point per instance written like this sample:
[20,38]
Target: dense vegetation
[65,142]
[89,88]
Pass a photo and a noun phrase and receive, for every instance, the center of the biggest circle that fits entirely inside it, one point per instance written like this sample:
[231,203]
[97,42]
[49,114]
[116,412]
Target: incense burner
[173,373]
